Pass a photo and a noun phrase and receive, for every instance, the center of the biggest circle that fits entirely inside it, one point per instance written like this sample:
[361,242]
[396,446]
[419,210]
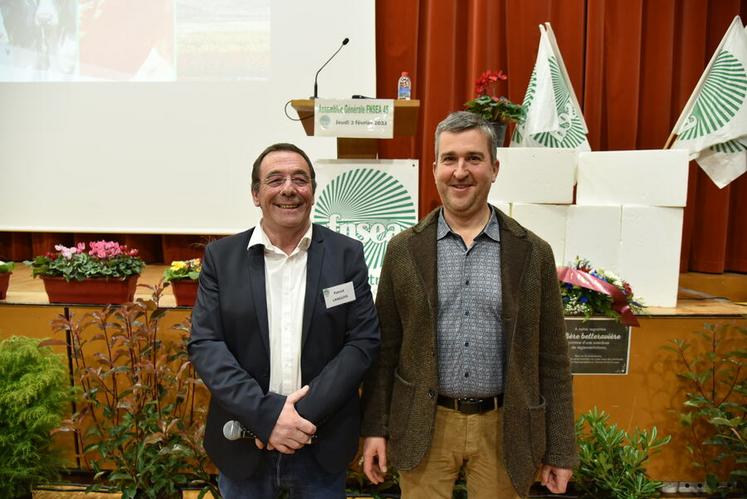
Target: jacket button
[431,394]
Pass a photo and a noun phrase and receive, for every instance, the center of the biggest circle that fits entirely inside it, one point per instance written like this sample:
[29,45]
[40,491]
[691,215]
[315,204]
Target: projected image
[223,39]
[127,40]
[38,40]
[134,40]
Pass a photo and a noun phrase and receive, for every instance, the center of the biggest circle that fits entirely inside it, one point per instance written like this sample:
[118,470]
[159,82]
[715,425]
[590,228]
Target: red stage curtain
[633,65]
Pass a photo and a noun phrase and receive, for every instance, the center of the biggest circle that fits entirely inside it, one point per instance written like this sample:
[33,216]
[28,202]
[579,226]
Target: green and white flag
[713,125]
[725,162]
[553,116]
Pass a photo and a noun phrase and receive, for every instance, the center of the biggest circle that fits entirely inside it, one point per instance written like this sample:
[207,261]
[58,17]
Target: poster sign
[368,200]
[598,346]
[354,118]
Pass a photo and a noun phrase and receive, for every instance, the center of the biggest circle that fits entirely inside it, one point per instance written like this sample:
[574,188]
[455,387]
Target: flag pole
[670,140]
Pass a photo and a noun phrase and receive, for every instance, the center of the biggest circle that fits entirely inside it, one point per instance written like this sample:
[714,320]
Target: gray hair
[462,121]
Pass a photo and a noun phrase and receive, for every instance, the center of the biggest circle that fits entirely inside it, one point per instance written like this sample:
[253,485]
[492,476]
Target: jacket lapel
[423,250]
[314,260]
[514,257]
[258,291]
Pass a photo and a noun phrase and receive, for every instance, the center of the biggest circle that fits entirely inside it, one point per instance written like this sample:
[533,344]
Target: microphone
[344,42]
[233,430]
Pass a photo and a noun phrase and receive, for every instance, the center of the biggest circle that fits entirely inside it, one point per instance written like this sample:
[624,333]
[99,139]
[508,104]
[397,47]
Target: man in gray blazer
[473,371]
[283,330]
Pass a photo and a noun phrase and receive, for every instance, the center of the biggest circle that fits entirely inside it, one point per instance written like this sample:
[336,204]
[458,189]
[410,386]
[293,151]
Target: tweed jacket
[400,391]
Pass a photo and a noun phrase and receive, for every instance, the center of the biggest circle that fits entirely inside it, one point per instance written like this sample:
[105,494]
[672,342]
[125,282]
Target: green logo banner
[370,201]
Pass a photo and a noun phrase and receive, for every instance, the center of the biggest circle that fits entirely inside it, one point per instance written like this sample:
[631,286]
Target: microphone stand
[344,42]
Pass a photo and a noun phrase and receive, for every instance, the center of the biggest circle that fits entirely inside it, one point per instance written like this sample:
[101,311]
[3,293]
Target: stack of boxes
[627,218]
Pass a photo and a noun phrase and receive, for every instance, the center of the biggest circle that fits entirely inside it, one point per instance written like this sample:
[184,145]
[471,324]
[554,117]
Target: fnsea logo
[368,205]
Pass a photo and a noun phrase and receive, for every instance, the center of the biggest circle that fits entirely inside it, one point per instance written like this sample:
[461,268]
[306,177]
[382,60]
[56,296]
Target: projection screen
[144,116]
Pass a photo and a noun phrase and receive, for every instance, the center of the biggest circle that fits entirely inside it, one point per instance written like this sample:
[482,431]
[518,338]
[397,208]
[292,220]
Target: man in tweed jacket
[473,371]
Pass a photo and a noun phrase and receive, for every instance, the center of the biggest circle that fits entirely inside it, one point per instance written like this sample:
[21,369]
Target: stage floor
[699,294]
[25,290]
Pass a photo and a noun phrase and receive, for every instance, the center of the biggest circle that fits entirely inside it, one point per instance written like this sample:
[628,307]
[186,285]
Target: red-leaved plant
[140,417]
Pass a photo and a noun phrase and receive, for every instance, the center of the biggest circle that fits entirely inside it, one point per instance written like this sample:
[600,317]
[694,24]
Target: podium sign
[354,118]
[597,346]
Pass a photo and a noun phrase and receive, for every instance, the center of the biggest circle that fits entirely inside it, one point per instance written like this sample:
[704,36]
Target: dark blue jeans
[299,474]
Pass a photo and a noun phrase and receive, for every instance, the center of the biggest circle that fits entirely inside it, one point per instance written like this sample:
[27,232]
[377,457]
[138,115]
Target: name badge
[338,295]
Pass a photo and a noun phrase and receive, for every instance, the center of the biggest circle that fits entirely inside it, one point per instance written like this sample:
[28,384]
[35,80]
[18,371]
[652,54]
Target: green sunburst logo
[571,133]
[721,97]
[368,205]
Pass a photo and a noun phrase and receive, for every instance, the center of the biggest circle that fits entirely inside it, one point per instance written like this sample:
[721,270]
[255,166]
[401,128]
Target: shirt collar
[492,230]
[259,237]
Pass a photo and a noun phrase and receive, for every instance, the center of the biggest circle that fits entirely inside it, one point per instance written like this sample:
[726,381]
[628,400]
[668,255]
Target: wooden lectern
[405,125]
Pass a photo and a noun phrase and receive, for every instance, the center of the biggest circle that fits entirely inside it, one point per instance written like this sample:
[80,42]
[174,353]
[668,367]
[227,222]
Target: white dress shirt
[285,288]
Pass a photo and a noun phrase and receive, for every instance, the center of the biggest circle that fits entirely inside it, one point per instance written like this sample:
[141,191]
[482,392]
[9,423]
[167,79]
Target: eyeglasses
[299,180]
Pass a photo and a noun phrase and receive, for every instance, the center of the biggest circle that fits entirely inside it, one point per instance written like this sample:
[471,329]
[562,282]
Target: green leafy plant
[35,393]
[715,406]
[104,259]
[182,270]
[6,266]
[612,461]
[490,106]
[357,484]
[141,417]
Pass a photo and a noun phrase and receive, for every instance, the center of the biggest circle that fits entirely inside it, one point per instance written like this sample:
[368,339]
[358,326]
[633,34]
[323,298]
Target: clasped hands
[291,431]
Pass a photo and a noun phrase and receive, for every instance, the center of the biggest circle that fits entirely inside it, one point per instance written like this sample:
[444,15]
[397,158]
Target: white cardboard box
[650,253]
[535,175]
[504,206]
[547,221]
[593,232]
[647,178]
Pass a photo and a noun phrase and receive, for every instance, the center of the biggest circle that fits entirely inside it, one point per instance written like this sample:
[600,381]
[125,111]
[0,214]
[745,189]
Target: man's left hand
[554,478]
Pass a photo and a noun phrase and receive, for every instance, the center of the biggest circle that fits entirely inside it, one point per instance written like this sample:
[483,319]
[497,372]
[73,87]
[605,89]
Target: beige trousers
[461,440]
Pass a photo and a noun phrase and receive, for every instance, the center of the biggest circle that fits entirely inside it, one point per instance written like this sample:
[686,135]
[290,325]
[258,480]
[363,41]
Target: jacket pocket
[538,431]
[399,411]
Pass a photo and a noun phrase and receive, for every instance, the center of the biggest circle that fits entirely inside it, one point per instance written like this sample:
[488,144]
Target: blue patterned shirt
[469,327]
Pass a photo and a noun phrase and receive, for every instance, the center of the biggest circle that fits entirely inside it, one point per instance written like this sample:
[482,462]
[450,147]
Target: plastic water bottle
[404,86]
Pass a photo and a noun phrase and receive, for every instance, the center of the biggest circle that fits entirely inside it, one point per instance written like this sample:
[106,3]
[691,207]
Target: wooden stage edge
[699,294]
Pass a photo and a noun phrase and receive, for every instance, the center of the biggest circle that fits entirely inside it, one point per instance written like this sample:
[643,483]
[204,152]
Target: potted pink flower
[105,272]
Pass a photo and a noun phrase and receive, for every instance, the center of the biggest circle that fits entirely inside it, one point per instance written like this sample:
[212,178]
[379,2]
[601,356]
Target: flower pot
[499,128]
[185,292]
[90,291]
[4,281]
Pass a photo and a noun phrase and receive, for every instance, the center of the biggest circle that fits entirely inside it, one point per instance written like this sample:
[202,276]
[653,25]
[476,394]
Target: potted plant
[34,395]
[183,276]
[140,416]
[106,273]
[497,110]
[714,412]
[612,462]
[596,292]
[6,268]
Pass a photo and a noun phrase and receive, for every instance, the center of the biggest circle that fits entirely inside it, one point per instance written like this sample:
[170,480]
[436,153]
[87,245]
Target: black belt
[471,405]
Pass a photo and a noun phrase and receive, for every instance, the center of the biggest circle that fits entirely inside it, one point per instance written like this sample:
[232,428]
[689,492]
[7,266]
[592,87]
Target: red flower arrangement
[490,106]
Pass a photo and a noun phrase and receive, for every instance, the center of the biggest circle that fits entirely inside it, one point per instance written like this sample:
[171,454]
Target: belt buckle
[469,405]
